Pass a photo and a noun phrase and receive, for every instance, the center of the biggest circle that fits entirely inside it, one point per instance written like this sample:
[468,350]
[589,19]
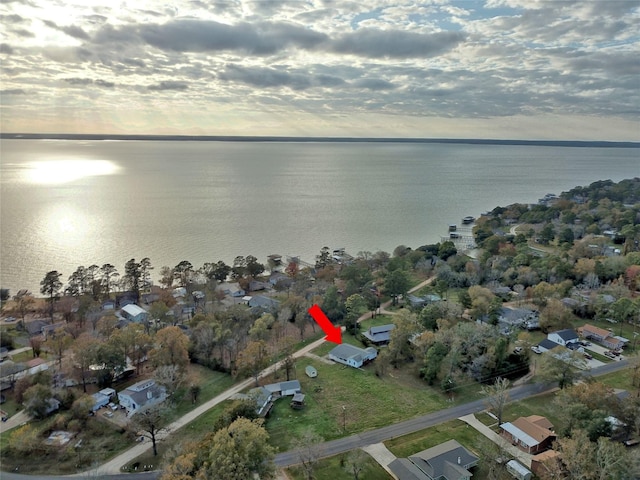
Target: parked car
[588,356]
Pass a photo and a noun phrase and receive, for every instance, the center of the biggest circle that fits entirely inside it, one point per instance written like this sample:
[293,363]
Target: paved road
[342,445]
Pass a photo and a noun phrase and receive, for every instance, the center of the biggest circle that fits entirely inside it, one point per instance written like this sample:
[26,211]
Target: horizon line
[275,138]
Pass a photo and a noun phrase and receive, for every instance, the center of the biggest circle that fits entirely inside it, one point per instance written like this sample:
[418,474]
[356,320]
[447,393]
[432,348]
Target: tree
[308,452]
[355,462]
[108,278]
[50,286]
[36,400]
[396,283]
[400,348]
[497,396]
[170,376]
[59,342]
[149,423]
[171,348]
[254,268]
[238,451]
[561,370]
[25,440]
[84,354]
[132,278]
[194,392]
[183,273]
[355,306]
[253,359]
[24,302]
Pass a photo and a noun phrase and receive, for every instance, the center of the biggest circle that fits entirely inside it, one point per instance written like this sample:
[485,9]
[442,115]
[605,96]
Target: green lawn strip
[375,322]
[332,469]
[538,405]
[622,379]
[211,384]
[26,356]
[467,436]
[370,402]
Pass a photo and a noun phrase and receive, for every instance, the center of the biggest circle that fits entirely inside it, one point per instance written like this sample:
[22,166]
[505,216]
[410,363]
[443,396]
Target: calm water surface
[70,203]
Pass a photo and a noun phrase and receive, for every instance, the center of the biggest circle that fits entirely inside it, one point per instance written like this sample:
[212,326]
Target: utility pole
[344,419]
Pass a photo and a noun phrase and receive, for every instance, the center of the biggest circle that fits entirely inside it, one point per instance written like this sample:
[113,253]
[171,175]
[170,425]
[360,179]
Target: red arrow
[334,334]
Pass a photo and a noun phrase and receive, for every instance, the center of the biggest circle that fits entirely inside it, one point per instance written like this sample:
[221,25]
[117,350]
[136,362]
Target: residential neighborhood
[422,333]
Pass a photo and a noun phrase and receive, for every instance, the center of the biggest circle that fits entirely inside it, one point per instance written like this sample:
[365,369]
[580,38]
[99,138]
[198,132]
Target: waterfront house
[447,461]
[352,356]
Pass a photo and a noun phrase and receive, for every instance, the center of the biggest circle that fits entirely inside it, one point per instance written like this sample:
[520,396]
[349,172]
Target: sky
[510,69]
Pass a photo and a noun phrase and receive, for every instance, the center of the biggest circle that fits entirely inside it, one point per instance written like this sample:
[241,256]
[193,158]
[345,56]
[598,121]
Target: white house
[141,395]
[563,337]
[284,389]
[134,313]
[352,356]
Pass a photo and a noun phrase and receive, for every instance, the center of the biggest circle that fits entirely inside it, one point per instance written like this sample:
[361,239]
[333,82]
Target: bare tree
[308,452]
[497,396]
[149,423]
[355,463]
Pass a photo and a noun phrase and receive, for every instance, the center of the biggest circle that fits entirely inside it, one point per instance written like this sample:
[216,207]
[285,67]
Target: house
[447,461]
[256,285]
[263,399]
[563,337]
[532,434]
[141,395]
[134,313]
[279,278]
[546,345]
[379,335]
[602,336]
[516,316]
[99,400]
[352,356]
[233,290]
[263,302]
[283,389]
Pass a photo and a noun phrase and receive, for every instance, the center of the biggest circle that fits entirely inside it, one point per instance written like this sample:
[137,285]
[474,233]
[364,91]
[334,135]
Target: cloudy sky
[377,68]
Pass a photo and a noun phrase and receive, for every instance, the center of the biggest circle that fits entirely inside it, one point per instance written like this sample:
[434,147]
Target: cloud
[168,85]
[374,43]
[13,91]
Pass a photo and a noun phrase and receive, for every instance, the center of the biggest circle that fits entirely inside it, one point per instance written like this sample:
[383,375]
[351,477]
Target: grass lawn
[538,405]
[100,441]
[211,384]
[398,396]
[331,469]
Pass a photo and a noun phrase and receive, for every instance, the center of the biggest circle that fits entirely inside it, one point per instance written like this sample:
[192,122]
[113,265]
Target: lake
[67,203]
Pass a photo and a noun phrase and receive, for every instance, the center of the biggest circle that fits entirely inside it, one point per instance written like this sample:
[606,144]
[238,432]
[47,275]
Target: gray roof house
[141,395]
[284,389]
[134,313]
[563,337]
[352,356]
[380,335]
[263,399]
[260,301]
[447,461]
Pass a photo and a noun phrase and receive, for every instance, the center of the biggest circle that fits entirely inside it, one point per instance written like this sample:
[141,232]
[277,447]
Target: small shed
[519,471]
[310,371]
[297,402]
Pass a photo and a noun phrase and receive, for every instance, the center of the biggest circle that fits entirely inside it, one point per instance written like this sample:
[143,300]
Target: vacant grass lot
[369,402]
[332,469]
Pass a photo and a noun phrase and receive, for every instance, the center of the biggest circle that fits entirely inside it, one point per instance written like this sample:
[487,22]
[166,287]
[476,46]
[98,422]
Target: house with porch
[563,337]
[352,356]
[380,335]
[447,461]
[532,434]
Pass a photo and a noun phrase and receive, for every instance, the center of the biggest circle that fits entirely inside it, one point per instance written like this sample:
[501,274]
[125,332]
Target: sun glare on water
[66,171]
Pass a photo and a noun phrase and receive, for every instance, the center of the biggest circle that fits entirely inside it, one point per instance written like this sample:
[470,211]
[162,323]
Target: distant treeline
[231,138]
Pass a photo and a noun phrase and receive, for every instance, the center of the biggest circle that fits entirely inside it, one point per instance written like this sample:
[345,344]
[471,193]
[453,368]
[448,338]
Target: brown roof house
[447,461]
[532,434]
[600,335]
